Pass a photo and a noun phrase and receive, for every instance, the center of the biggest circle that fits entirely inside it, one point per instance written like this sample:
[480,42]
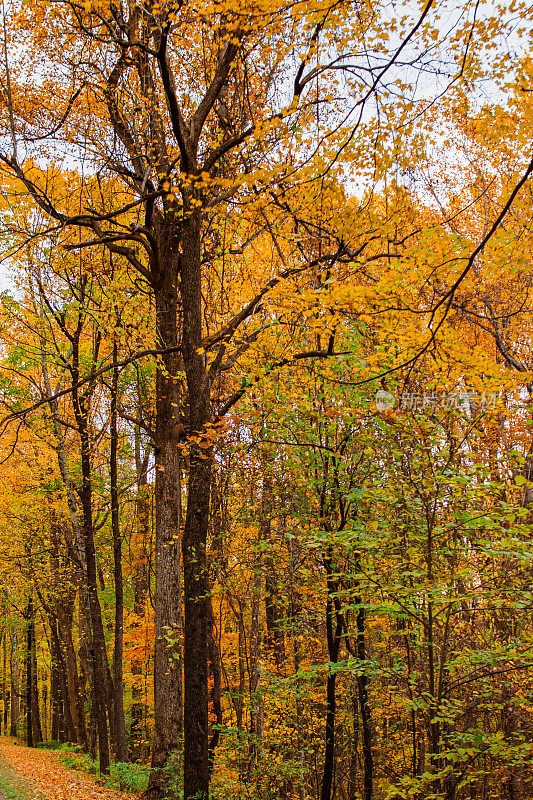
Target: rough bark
[118,680]
[97,653]
[256,702]
[55,701]
[216,691]
[196,759]
[76,515]
[140,591]
[15,686]
[168,703]
[30,631]
[35,704]
[62,699]
[274,633]
[65,619]
[364,706]
[4,668]
[333,631]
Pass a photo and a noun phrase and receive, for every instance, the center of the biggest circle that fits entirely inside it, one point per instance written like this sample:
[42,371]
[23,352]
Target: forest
[266,387]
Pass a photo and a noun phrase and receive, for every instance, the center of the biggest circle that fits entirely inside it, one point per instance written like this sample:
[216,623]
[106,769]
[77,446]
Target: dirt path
[48,779]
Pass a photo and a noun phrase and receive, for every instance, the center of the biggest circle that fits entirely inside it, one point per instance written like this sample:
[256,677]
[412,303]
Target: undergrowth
[123,776]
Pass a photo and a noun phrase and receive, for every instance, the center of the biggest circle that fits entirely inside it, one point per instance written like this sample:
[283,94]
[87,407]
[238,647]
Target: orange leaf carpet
[46,776]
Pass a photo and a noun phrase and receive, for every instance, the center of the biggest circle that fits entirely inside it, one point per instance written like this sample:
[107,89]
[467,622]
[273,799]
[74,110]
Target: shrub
[80,761]
[128,777]
[53,744]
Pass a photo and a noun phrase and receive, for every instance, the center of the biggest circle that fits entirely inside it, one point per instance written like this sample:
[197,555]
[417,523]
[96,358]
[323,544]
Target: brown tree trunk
[4,668]
[274,632]
[333,630]
[55,701]
[35,707]
[216,691]
[15,686]
[77,711]
[364,706]
[85,635]
[118,680]
[30,631]
[140,591]
[97,653]
[168,703]
[256,702]
[196,588]
[60,672]
[86,664]
[299,719]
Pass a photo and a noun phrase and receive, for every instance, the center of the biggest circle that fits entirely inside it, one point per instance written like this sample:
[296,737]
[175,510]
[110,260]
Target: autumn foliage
[266,384]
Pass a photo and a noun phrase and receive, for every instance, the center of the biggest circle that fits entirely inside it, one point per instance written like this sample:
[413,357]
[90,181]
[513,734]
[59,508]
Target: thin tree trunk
[364,706]
[75,511]
[29,671]
[216,691]
[55,700]
[35,711]
[118,681]
[333,632]
[4,667]
[15,686]
[97,649]
[299,720]
[297,659]
[256,703]
[140,591]
[273,617]
[97,652]
[86,666]
[77,711]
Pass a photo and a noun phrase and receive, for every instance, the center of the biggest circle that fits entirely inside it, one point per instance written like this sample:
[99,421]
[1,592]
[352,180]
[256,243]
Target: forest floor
[35,774]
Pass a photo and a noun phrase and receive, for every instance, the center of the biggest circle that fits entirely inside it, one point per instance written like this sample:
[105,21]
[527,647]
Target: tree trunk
[299,719]
[86,665]
[61,676]
[333,631]
[75,512]
[97,653]
[196,758]
[364,706]
[274,632]
[168,703]
[4,668]
[256,702]
[75,700]
[55,700]
[35,709]
[15,686]
[118,680]
[216,691]
[29,671]
[140,591]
